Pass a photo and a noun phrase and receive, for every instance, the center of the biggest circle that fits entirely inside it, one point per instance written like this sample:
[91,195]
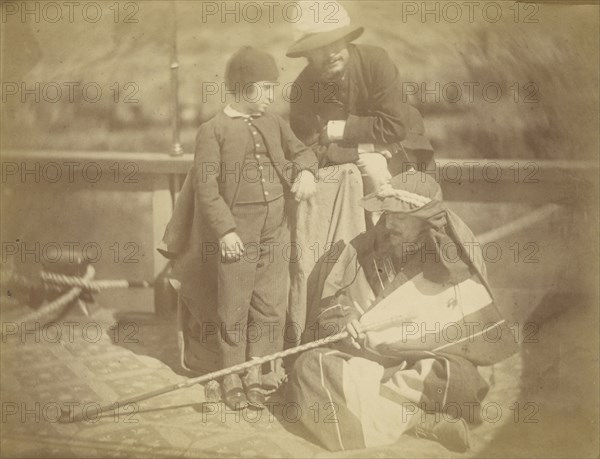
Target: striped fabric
[352,402]
[458,319]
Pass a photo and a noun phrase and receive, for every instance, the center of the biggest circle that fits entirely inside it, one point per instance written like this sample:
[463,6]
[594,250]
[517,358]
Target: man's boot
[233,392]
[453,434]
[254,391]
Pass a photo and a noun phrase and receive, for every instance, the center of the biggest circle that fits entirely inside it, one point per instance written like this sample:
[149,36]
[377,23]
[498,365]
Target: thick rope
[60,302]
[94,286]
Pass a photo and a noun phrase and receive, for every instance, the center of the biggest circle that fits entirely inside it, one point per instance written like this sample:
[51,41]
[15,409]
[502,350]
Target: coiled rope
[62,301]
[59,282]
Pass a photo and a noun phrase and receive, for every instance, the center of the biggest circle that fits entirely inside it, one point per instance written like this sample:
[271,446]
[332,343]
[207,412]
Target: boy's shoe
[212,392]
[256,398]
[454,435]
[274,379]
[233,392]
[254,392]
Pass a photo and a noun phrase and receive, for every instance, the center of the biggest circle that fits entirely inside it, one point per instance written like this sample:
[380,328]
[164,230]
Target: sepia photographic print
[298,229]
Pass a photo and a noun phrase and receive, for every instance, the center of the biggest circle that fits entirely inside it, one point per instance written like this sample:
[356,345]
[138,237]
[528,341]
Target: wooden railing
[478,180]
[532,180]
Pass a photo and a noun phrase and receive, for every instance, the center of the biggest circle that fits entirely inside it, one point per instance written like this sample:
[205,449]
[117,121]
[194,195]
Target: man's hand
[384,150]
[232,247]
[304,186]
[357,335]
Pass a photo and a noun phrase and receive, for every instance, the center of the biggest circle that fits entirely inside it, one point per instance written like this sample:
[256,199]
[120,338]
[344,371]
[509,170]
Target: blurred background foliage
[559,54]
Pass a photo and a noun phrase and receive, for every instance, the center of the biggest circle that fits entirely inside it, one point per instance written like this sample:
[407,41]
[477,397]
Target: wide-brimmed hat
[311,34]
[407,193]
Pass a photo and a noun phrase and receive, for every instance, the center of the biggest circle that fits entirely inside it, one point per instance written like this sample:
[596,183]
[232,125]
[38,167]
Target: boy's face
[259,96]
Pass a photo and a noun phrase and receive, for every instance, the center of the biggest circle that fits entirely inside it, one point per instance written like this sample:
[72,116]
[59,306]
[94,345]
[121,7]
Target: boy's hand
[232,247]
[304,186]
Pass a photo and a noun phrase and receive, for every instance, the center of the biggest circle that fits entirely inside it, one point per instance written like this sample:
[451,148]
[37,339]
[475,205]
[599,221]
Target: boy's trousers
[253,292]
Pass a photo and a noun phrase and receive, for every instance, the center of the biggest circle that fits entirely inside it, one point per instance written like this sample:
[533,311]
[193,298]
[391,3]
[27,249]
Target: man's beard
[332,74]
[403,250]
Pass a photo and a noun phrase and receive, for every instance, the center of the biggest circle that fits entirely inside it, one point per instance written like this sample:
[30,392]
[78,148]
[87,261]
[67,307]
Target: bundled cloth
[442,318]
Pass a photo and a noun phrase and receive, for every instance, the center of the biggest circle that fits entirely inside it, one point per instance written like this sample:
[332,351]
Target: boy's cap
[250,65]
[313,31]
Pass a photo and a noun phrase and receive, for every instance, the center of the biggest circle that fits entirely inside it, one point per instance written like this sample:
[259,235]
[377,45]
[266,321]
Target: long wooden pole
[67,416]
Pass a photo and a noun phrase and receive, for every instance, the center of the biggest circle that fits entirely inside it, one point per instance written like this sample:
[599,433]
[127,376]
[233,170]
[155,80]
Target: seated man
[348,103]
[417,281]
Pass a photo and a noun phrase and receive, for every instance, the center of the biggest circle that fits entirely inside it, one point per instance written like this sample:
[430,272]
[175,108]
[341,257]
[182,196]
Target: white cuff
[335,130]
[366,148]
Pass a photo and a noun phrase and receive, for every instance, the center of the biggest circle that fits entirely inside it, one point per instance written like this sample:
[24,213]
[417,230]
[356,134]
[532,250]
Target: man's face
[260,95]
[405,230]
[331,60]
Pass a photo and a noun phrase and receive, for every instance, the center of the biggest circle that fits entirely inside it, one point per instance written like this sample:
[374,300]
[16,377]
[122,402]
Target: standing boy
[247,163]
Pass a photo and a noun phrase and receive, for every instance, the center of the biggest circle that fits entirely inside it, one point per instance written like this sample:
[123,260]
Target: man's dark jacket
[369,98]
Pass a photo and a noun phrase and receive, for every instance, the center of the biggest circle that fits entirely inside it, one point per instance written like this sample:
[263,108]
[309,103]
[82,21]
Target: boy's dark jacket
[202,213]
